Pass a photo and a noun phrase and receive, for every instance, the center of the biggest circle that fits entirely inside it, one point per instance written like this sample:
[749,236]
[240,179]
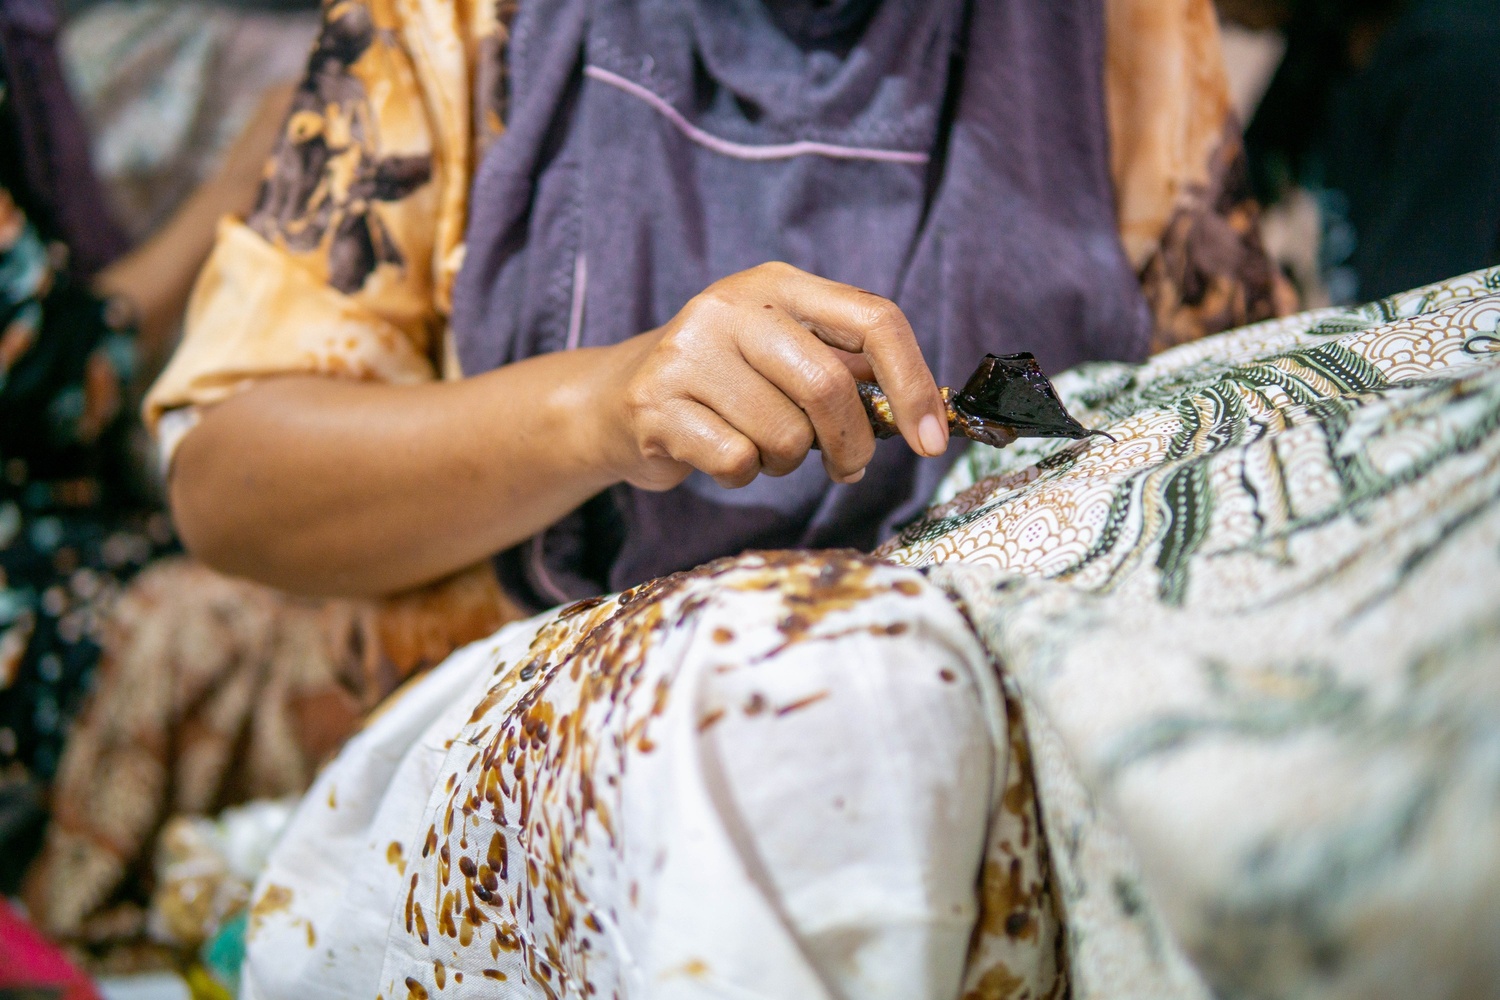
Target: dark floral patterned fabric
[1210,272]
[71,527]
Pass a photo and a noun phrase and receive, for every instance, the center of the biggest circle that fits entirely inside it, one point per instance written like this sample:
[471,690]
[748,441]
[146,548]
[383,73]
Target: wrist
[589,410]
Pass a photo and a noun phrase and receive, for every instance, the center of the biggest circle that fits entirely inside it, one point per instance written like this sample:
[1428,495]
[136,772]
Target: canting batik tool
[1007,397]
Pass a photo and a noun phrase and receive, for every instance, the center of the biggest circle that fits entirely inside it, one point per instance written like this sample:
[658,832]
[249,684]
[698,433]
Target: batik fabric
[1252,642]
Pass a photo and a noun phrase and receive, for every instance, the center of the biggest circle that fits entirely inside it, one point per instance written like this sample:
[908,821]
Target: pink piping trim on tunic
[580,289]
[740,150]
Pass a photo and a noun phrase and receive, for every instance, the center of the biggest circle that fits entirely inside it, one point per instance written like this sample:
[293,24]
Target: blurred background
[1373,133]
[1372,129]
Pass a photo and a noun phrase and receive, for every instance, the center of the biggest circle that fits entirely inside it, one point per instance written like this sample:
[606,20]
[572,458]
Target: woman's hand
[754,370]
[328,486]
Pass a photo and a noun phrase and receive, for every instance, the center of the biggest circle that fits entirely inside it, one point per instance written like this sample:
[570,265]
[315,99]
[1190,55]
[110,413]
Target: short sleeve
[336,271]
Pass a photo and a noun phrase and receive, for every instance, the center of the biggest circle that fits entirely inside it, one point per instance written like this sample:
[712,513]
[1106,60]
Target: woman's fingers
[755,369]
[761,410]
[808,373]
[693,434]
[857,321]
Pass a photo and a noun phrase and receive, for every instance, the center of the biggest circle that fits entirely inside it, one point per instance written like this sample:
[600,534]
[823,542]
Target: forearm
[321,486]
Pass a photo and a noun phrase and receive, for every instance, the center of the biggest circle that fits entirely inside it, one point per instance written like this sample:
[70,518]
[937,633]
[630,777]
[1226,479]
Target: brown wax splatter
[998,983]
[275,899]
[802,703]
[693,968]
[549,779]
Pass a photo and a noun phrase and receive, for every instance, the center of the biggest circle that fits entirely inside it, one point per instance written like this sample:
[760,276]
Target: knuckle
[828,381]
[777,269]
[737,461]
[789,444]
[882,316]
[710,304]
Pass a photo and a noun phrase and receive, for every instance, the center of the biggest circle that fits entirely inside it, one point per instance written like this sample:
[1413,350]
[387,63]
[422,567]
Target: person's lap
[769,777]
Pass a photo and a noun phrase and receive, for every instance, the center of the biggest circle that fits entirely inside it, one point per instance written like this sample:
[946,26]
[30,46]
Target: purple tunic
[949,154]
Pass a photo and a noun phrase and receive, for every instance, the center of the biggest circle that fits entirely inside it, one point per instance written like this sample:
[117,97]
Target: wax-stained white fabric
[772,777]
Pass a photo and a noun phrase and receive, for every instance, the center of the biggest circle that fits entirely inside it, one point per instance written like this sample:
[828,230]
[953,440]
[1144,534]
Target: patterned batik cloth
[1253,643]
[1232,730]
[211,692]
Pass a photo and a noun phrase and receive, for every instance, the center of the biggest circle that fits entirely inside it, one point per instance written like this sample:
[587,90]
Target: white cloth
[677,792]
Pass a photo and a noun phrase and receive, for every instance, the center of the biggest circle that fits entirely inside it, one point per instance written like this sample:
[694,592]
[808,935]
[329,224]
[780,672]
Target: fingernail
[933,435]
[850,480]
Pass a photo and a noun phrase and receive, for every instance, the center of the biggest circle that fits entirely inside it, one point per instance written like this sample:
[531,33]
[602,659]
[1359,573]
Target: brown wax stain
[275,899]
[693,968]
[395,857]
[557,731]
[802,703]
[415,990]
[998,983]
[333,799]
[1006,903]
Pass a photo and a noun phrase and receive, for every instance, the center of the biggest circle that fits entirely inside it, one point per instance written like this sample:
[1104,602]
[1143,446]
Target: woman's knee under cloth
[769,777]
